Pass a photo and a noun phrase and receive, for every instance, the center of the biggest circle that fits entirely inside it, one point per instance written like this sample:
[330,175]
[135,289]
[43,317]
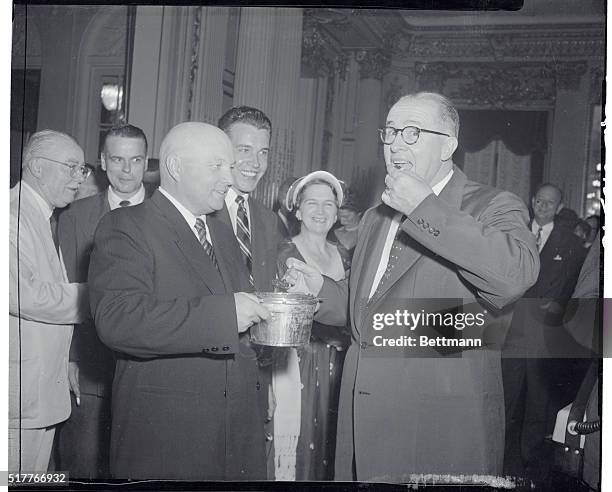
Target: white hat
[298,184]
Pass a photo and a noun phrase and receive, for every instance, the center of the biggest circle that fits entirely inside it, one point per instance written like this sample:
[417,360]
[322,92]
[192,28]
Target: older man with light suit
[43,303]
[168,294]
[438,240]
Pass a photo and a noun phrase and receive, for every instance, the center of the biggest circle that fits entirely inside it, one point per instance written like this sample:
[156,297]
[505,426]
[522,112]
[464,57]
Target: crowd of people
[130,310]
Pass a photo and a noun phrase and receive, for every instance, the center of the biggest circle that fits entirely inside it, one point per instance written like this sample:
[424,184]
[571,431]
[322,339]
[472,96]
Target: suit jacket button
[225,348]
[206,350]
[431,230]
[436,233]
[258,386]
[215,349]
[363,345]
[420,221]
[425,225]
[268,436]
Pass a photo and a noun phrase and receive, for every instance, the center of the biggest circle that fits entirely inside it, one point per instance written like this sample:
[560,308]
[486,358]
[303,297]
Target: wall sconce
[112,97]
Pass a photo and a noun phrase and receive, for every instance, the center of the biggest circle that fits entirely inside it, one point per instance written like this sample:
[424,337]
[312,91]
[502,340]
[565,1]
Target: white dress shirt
[544,235]
[395,224]
[189,217]
[232,207]
[114,200]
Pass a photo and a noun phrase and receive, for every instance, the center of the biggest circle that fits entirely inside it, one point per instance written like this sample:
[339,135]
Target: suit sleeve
[494,252]
[333,309]
[35,298]
[131,318]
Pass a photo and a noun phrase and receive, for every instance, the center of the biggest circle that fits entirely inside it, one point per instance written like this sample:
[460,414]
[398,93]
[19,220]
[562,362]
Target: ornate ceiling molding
[501,85]
[373,64]
[503,46]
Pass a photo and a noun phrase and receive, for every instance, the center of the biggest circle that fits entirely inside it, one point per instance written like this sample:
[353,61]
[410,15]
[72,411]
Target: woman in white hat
[306,381]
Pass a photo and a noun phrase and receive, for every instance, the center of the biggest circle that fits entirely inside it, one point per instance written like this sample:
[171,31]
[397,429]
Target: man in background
[84,439]
[533,378]
[43,303]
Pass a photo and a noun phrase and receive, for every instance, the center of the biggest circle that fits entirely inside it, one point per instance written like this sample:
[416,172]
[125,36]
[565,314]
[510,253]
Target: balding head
[48,159]
[194,166]
[546,203]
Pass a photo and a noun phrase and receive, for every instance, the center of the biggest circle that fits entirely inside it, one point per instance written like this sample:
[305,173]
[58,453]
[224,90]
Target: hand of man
[404,190]
[248,310]
[303,277]
[73,381]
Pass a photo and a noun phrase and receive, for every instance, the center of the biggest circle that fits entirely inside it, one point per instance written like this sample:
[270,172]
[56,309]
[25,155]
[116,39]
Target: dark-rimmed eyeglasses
[410,134]
[76,170]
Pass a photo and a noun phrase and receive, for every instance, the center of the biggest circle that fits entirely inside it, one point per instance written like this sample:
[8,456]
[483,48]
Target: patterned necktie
[539,239]
[124,203]
[243,235]
[201,230]
[53,225]
[396,251]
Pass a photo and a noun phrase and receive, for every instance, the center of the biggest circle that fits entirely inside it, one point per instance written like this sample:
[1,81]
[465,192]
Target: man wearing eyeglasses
[43,303]
[438,241]
[84,439]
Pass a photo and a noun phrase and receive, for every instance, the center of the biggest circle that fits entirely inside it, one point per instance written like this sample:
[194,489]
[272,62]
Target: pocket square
[558,258]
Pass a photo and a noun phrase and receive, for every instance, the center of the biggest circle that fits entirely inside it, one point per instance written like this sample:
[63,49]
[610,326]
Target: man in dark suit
[84,439]
[169,296]
[533,374]
[438,241]
[256,227]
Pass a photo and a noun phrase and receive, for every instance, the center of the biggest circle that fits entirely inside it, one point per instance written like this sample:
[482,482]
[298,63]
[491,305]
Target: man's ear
[173,167]
[35,167]
[146,164]
[559,208]
[448,148]
[102,161]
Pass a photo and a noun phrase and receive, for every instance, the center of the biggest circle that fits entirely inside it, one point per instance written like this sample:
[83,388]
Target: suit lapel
[189,245]
[413,251]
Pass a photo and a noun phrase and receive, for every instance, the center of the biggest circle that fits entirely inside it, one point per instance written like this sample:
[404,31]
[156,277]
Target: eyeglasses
[410,134]
[76,170]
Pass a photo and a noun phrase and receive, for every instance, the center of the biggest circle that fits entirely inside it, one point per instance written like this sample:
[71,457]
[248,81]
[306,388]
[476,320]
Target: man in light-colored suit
[43,303]
[84,439]
[168,294]
[437,241]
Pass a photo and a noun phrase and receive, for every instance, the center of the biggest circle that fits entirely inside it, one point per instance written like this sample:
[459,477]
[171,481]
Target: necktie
[243,235]
[394,255]
[539,239]
[208,248]
[53,225]
[124,203]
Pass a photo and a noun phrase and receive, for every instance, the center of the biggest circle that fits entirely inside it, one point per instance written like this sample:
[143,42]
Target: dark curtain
[523,132]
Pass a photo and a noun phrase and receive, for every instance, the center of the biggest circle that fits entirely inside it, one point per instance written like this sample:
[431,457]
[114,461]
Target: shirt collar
[114,200]
[45,208]
[231,195]
[545,228]
[437,188]
[189,217]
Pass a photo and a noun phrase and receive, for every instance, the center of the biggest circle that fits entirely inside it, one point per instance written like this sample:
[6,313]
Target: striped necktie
[539,239]
[243,234]
[208,248]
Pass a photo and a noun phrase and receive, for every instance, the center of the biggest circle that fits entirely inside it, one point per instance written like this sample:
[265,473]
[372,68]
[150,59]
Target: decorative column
[372,67]
[317,65]
[569,133]
[267,75]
